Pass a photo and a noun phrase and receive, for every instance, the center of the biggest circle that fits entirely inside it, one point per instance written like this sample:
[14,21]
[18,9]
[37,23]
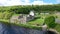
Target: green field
[57,27]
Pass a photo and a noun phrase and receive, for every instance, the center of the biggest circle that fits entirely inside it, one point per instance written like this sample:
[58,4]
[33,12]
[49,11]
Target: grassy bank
[6,18]
[21,25]
[57,27]
[28,25]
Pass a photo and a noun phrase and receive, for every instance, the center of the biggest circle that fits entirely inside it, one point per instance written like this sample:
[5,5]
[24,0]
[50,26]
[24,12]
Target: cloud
[40,3]
[21,2]
[26,2]
[10,2]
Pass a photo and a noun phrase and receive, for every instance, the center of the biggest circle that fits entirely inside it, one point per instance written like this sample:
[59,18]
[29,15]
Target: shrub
[50,21]
[7,15]
[1,16]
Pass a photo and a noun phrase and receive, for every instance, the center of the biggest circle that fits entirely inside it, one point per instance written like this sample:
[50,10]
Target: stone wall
[21,19]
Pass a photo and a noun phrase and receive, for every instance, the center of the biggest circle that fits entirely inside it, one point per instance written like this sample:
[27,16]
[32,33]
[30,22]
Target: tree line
[25,9]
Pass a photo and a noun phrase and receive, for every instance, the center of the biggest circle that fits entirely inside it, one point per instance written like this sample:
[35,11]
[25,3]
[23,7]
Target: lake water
[13,29]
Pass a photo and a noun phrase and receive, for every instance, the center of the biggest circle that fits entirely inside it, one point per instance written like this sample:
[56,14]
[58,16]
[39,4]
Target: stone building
[22,19]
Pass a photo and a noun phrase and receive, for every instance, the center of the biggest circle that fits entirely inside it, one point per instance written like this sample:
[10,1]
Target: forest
[26,8]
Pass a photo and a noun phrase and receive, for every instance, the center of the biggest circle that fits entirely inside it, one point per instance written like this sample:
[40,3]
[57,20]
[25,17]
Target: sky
[28,2]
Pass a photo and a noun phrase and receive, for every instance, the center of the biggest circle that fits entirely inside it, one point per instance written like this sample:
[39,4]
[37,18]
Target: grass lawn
[39,21]
[4,20]
[16,14]
[57,27]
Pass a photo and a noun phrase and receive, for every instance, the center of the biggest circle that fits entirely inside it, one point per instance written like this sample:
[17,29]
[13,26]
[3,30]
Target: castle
[23,18]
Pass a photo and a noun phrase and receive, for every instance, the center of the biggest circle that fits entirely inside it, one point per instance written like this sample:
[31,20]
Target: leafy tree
[50,21]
